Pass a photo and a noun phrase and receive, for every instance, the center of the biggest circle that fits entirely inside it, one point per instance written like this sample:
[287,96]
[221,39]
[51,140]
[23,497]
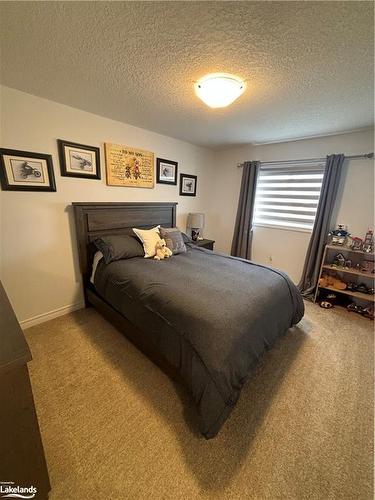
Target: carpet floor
[115,427]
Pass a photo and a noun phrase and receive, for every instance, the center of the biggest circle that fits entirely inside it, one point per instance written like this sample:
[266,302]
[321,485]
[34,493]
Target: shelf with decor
[348,249]
[348,271]
[352,268]
[357,295]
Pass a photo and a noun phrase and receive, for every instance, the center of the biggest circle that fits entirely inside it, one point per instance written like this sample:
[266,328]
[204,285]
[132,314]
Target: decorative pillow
[173,239]
[148,237]
[186,238]
[119,246]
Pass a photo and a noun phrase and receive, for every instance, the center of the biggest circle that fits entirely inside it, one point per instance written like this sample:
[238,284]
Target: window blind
[287,196]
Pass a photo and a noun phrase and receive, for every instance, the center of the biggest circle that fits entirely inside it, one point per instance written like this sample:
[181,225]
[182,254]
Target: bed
[204,317]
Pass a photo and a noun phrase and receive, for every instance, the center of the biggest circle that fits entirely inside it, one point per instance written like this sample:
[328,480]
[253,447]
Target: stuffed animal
[162,251]
[327,280]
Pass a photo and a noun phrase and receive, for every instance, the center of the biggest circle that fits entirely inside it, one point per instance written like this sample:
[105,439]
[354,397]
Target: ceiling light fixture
[218,90]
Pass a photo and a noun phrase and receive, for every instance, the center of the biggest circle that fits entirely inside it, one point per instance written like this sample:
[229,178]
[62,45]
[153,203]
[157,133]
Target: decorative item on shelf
[367,312]
[368,266]
[327,280]
[339,236]
[195,222]
[338,260]
[353,307]
[188,185]
[166,171]
[368,243]
[357,244]
[26,171]
[362,288]
[359,287]
[348,264]
[78,160]
[351,286]
[349,241]
[327,300]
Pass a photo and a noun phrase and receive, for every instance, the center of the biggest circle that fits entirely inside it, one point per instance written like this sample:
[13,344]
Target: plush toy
[327,280]
[338,284]
[162,251]
[323,281]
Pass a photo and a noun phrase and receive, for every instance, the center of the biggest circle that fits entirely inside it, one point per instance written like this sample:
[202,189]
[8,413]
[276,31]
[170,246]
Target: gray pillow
[186,238]
[173,239]
[119,246]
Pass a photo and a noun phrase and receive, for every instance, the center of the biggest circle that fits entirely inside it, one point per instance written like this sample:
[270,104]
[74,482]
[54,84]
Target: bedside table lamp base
[195,222]
[195,234]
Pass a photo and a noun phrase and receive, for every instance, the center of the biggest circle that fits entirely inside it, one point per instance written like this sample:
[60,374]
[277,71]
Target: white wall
[354,207]
[39,258]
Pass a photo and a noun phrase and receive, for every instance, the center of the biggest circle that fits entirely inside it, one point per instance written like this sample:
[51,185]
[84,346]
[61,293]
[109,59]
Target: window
[287,196]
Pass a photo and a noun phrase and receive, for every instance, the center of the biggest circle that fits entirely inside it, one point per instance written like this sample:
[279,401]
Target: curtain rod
[313,160]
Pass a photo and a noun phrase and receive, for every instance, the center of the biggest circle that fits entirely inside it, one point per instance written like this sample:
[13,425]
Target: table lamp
[195,222]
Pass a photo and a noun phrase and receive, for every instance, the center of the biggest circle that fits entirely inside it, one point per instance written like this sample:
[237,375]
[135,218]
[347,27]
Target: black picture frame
[159,163]
[65,172]
[188,176]
[4,180]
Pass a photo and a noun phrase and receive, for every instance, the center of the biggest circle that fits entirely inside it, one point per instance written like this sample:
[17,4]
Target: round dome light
[218,90]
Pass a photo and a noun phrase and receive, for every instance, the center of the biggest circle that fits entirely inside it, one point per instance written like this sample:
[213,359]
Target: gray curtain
[331,181]
[243,230]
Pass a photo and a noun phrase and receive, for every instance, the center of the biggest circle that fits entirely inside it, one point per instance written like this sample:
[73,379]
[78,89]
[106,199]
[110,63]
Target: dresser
[22,460]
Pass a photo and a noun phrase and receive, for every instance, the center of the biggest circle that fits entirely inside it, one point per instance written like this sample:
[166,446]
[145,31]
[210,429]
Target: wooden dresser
[22,460]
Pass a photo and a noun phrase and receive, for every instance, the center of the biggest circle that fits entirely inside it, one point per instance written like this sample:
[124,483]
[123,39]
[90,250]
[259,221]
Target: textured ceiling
[308,65]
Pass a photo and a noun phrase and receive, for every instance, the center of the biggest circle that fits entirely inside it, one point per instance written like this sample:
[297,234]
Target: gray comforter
[211,316]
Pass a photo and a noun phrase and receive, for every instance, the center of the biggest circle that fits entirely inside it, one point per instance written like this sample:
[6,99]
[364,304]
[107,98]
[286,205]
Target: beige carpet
[115,427]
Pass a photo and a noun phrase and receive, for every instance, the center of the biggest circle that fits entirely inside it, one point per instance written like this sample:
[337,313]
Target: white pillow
[149,238]
[95,262]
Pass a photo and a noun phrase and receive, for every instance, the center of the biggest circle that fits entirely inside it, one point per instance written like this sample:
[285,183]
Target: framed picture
[188,185]
[166,171]
[25,171]
[78,160]
[129,167]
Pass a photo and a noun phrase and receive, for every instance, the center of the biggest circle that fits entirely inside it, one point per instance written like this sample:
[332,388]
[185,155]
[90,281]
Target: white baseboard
[41,318]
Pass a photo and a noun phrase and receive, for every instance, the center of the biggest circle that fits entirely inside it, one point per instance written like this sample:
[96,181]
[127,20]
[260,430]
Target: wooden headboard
[98,219]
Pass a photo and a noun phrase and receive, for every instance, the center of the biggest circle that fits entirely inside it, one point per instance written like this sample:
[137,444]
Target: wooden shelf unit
[347,249]
[357,295]
[354,272]
[348,271]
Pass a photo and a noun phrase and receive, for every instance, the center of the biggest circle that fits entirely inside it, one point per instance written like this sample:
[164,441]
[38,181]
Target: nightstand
[209,244]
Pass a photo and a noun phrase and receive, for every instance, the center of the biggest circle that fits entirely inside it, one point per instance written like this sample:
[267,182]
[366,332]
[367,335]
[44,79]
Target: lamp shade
[195,221]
